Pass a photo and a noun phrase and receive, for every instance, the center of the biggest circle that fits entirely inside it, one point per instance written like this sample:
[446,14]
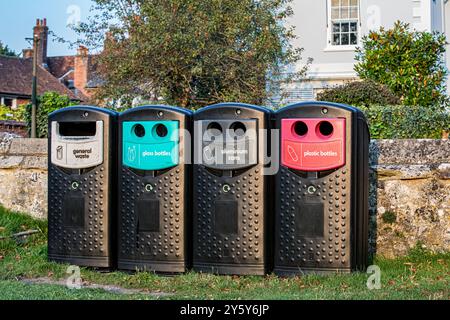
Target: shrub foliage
[47,103]
[360,93]
[409,62]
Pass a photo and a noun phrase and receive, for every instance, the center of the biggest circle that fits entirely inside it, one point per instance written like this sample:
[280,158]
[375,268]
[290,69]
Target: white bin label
[77,152]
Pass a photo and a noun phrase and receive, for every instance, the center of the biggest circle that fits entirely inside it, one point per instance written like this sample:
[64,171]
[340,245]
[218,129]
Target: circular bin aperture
[321,189]
[154,190]
[231,208]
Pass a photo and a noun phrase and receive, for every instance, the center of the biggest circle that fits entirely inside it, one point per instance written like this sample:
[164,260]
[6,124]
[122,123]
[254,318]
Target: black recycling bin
[154,189]
[321,189]
[81,186]
[230,202]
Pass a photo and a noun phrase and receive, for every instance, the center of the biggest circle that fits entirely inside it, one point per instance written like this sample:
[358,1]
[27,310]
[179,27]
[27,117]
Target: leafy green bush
[6,113]
[403,122]
[409,62]
[360,93]
[47,103]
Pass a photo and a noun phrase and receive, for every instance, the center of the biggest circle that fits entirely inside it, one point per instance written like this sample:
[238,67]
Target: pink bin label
[311,144]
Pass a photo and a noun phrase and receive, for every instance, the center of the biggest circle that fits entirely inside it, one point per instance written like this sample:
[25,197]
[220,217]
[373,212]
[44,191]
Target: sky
[19,17]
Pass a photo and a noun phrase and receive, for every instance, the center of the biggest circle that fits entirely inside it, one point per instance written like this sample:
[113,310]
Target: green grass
[420,275]
[14,290]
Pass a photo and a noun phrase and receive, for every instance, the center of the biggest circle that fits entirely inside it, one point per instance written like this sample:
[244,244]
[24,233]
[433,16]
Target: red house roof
[16,79]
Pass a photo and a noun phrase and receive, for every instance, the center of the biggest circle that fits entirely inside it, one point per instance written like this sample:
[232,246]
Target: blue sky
[19,16]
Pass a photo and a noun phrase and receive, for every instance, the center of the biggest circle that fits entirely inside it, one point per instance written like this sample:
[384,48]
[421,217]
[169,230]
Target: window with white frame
[343,22]
[8,102]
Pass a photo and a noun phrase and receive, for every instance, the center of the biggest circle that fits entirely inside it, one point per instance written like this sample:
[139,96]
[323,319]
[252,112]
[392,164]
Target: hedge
[386,122]
[6,113]
[360,93]
[402,122]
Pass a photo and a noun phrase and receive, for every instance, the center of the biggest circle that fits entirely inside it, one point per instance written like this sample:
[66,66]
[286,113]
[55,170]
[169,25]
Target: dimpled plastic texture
[231,216]
[321,211]
[81,216]
[154,198]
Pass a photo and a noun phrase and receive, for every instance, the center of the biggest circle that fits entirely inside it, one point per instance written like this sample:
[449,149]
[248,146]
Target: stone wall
[409,195]
[15,127]
[409,190]
[23,175]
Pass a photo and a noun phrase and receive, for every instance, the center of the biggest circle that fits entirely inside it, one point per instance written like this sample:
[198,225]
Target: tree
[193,53]
[6,51]
[409,62]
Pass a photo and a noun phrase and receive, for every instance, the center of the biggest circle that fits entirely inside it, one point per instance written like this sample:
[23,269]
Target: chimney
[40,31]
[81,69]
[27,53]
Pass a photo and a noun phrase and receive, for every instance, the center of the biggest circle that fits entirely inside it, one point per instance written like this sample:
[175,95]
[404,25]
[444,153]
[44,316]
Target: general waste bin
[81,186]
[230,201]
[321,189]
[154,189]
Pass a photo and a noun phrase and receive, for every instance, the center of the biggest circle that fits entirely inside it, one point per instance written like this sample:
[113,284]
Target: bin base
[231,269]
[163,267]
[93,262]
[285,271]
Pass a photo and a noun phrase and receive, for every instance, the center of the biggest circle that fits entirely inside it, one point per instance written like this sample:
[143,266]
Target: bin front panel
[154,189]
[152,217]
[230,202]
[313,190]
[81,186]
[229,218]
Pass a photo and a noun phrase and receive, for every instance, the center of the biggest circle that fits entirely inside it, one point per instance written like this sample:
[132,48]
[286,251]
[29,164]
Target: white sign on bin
[77,152]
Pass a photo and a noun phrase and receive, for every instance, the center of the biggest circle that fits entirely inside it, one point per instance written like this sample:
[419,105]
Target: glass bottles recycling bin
[154,189]
[81,186]
[321,189]
[230,202]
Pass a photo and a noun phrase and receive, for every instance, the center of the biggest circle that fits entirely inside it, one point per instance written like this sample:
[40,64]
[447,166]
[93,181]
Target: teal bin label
[151,145]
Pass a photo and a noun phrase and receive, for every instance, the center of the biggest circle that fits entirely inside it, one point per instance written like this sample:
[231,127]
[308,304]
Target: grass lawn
[421,275]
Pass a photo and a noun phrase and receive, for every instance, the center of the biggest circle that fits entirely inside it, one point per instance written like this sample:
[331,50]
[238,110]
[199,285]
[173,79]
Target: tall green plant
[47,103]
[409,62]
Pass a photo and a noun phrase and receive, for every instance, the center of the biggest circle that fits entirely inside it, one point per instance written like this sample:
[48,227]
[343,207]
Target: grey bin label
[77,152]
[228,144]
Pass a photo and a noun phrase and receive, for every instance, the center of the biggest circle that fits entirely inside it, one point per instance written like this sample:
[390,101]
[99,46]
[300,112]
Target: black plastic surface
[154,206]
[81,203]
[231,215]
[340,203]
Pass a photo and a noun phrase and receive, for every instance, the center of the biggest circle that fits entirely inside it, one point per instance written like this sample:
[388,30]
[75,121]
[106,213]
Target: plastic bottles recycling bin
[230,202]
[154,189]
[321,189]
[81,186]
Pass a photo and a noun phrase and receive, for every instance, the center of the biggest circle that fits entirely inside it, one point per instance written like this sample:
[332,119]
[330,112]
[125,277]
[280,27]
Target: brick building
[74,76]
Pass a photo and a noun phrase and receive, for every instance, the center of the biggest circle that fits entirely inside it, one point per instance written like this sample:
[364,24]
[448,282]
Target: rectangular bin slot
[74,211]
[77,129]
[226,217]
[148,215]
[309,220]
